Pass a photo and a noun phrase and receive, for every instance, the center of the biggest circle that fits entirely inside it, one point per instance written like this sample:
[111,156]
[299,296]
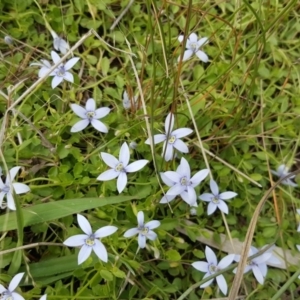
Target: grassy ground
[243,106]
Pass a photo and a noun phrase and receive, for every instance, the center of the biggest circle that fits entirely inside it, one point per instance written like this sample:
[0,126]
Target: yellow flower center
[119,167]
[184,181]
[212,268]
[90,114]
[90,241]
[193,46]
[172,139]
[144,230]
[215,200]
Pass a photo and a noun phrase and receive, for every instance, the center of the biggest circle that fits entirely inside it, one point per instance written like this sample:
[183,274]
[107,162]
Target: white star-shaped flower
[59,43]
[171,138]
[216,200]
[61,72]
[192,47]
[127,102]
[10,294]
[89,115]
[89,241]
[258,265]
[143,230]
[283,171]
[44,297]
[182,184]
[19,188]
[120,167]
[212,266]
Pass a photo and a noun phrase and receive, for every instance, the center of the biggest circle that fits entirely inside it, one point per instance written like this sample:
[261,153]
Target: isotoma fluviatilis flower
[61,72]
[258,265]
[120,167]
[19,188]
[283,171]
[44,297]
[182,184]
[127,102]
[215,199]
[212,266]
[171,138]
[192,47]
[89,115]
[45,67]
[10,294]
[143,230]
[59,43]
[89,241]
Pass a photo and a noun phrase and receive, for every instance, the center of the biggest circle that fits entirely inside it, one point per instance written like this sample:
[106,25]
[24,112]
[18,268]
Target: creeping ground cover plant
[149,150]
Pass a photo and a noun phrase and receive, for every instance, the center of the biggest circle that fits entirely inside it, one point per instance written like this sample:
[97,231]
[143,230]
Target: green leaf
[55,210]
[106,275]
[173,255]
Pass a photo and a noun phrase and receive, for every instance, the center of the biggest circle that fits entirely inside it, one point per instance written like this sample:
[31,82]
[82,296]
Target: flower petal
[70,63]
[186,55]
[10,201]
[211,208]
[140,218]
[207,283]
[105,231]
[16,296]
[169,198]
[227,195]
[258,275]
[226,261]
[176,190]
[152,224]
[99,126]
[192,194]
[201,266]
[206,197]
[193,38]
[214,187]
[172,176]
[84,224]
[202,42]
[121,182]
[223,206]
[79,110]
[90,105]
[20,188]
[2,194]
[181,38]
[202,56]
[211,256]
[131,232]
[169,152]
[75,240]
[142,241]
[186,198]
[55,57]
[137,165]
[100,251]
[222,284]
[169,123]
[199,176]
[168,181]
[184,168]
[109,159]
[108,175]
[56,81]
[124,155]
[84,253]
[181,146]
[2,289]
[151,235]
[158,138]
[101,112]
[69,77]
[80,125]
[15,281]
[182,132]
[12,174]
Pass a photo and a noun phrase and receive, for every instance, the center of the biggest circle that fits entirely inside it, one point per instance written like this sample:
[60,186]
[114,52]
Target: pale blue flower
[171,138]
[89,115]
[283,171]
[182,184]
[215,199]
[59,43]
[19,188]
[90,241]
[212,266]
[10,294]
[192,47]
[120,167]
[143,230]
[258,265]
[127,102]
